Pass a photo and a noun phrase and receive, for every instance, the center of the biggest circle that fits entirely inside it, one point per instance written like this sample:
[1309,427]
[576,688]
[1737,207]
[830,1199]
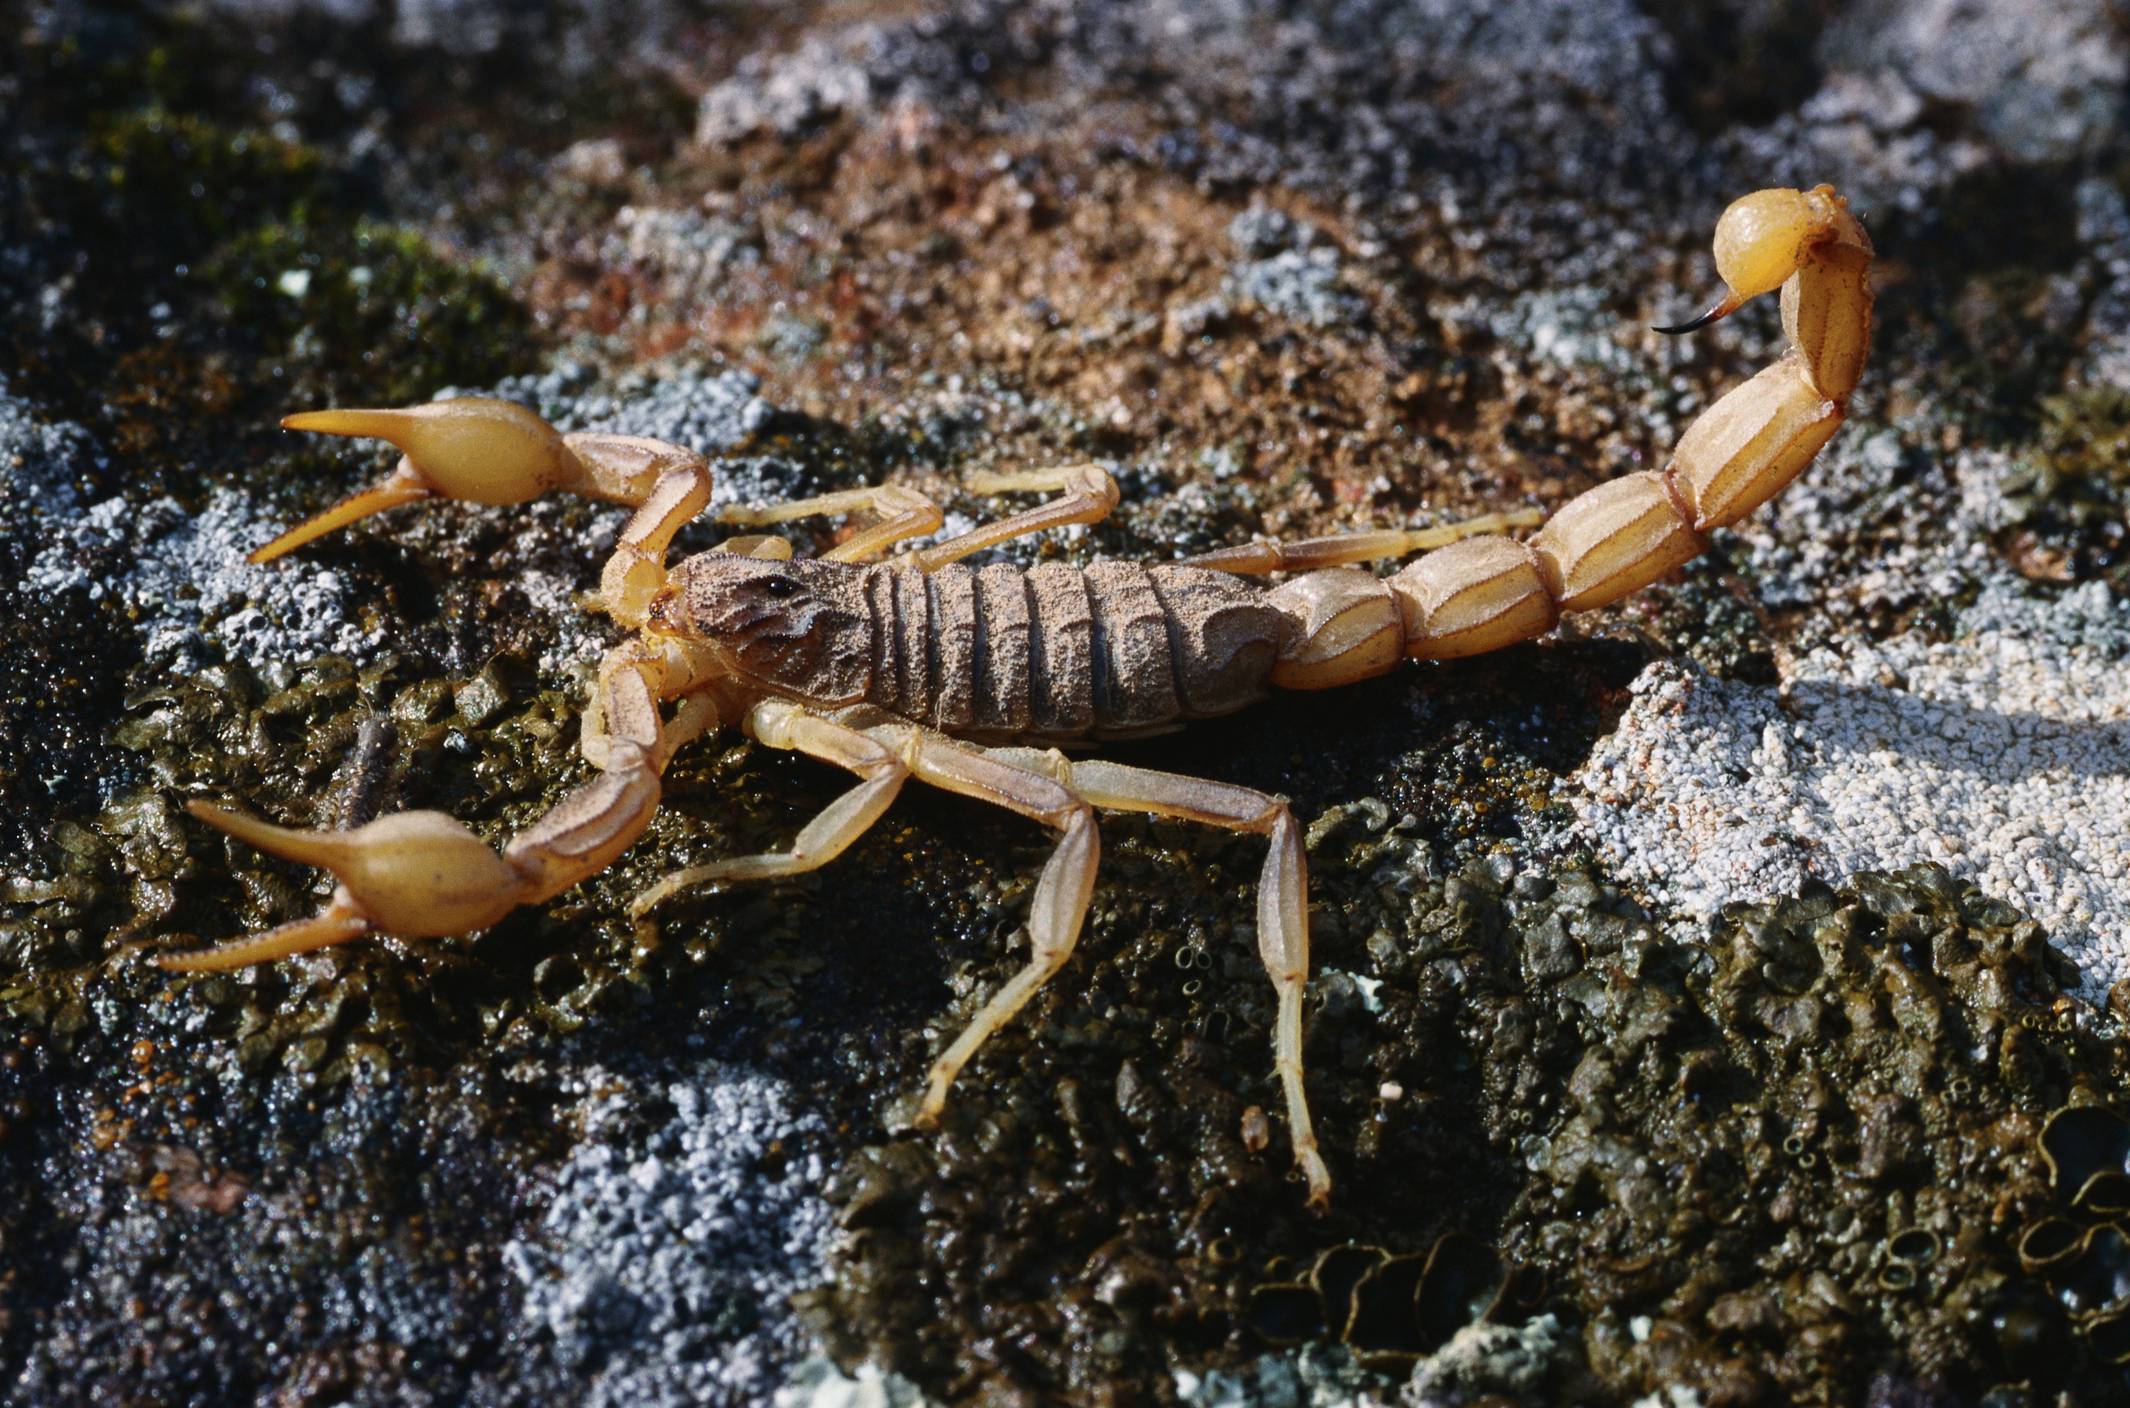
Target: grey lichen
[1288,270]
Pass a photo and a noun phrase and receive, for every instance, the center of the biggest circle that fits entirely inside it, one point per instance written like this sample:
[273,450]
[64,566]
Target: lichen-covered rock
[2043,85]
[662,1263]
[1615,1118]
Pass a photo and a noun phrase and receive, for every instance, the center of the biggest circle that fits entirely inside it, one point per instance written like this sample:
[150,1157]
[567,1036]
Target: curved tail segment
[1481,590]
[1488,592]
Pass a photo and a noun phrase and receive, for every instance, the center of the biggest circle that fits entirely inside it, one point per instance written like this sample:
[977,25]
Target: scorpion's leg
[904,513]
[1086,494]
[1059,908]
[1364,545]
[1282,898]
[778,724]
[487,451]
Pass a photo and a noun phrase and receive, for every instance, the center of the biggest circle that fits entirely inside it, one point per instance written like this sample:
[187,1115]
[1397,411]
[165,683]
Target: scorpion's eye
[781,587]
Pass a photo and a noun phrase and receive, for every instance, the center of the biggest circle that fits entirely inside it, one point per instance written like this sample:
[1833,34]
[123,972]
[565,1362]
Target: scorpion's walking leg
[903,511]
[1086,494]
[1282,898]
[884,756]
[777,724]
[1059,908]
[1361,545]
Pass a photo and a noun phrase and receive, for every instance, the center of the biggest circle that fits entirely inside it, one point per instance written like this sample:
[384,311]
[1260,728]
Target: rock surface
[1718,1003]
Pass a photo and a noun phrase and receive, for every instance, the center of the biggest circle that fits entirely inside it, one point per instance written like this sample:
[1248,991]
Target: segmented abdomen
[1055,653]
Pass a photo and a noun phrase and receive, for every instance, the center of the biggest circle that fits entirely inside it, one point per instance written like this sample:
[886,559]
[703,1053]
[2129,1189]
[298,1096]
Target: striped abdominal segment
[1057,653]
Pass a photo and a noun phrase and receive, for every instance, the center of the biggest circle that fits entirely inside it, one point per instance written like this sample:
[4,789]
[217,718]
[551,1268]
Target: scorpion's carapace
[969,679]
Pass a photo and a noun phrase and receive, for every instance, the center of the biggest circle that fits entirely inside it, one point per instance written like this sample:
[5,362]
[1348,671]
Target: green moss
[180,240]
[1980,311]
[2070,488]
[62,674]
[2079,462]
[1766,1164]
[187,183]
[1708,618]
[374,312]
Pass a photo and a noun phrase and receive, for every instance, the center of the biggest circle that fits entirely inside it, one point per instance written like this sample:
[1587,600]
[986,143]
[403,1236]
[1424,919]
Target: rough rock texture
[1717,1004]
[2002,753]
[651,1269]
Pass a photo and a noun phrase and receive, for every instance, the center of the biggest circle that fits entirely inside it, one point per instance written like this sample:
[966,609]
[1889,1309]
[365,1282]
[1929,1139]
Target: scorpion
[975,680]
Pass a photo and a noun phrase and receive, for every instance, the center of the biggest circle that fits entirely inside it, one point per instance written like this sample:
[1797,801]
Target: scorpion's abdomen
[1057,653]
[1225,636]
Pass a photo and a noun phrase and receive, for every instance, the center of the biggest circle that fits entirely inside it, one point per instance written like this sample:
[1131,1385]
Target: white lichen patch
[818,1383]
[2001,753]
[39,462]
[183,578]
[663,1268]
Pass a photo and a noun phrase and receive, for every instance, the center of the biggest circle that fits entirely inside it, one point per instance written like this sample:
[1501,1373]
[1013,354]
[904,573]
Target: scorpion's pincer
[414,875]
[476,448]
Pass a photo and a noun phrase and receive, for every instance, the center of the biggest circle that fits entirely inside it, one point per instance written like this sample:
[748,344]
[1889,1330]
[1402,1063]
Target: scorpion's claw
[475,448]
[416,875]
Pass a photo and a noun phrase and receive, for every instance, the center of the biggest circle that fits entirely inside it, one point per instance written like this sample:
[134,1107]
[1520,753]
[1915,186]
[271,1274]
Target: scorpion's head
[801,628]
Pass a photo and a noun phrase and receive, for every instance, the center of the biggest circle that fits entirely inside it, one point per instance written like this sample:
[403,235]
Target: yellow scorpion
[972,679]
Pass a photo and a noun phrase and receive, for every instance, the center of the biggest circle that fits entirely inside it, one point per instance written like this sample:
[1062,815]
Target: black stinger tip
[1721,310]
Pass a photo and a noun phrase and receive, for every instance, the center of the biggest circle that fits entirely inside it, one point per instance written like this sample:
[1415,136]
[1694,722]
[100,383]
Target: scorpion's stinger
[1767,237]
[1729,305]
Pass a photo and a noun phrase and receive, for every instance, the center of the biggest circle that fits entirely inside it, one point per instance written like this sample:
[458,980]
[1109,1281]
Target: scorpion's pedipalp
[636,573]
[423,874]
[402,486]
[586,831]
[475,448]
[340,921]
[416,875]
[489,451]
